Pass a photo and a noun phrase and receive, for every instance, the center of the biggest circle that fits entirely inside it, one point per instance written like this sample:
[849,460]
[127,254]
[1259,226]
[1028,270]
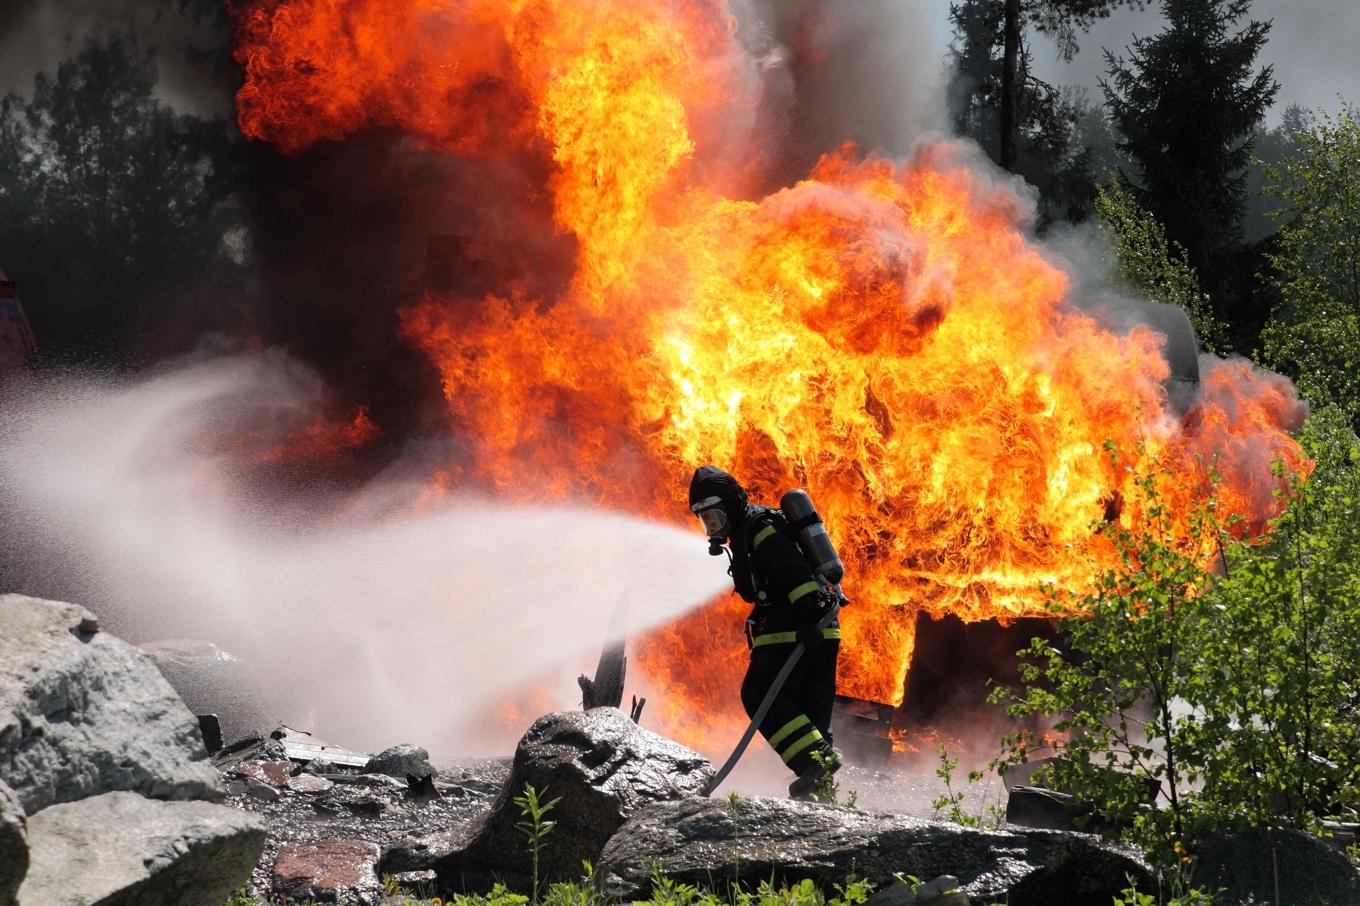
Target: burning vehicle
[884,332]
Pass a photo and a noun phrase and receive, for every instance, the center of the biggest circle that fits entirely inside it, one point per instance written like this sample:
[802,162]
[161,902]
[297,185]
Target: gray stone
[262,791]
[122,849]
[309,783]
[942,891]
[85,713]
[13,845]
[1032,806]
[401,761]
[328,871]
[602,766]
[212,681]
[697,841]
[1250,866]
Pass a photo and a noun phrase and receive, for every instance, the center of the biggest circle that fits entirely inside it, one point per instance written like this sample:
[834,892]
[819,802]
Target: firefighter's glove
[811,637]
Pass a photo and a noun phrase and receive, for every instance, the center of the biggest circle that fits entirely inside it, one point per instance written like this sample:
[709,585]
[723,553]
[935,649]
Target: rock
[122,849]
[378,781]
[261,790]
[326,805]
[274,773]
[328,871]
[1248,866]
[421,789]
[13,845]
[414,880]
[942,891]
[1032,806]
[696,841]
[401,761]
[309,783]
[366,806]
[419,853]
[604,768]
[212,681]
[83,714]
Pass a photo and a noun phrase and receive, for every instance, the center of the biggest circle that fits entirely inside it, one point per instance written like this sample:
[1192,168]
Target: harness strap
[784,638]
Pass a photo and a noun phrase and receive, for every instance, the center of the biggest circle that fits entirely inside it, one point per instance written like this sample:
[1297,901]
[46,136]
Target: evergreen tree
[1188,104]
[1050,154]
[1060,20]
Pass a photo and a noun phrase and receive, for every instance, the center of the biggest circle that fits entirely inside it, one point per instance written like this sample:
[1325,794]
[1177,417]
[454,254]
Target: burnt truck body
[18,348]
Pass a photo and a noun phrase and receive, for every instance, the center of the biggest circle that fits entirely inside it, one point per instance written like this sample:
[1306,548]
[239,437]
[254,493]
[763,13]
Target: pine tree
[1188,103]
[1050,124]
[1060,20]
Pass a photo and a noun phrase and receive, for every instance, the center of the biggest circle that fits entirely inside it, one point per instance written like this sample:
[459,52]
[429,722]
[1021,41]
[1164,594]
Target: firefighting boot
[822,763]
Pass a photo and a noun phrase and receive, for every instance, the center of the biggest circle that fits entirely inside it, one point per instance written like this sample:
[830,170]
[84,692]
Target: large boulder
[13,845]
[122,849]
[212,681]
[83,713]
[702,841]
[1249,867]
[602,766]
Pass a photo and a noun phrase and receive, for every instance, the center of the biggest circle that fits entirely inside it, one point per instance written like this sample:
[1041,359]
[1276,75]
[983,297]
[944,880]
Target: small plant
[535,825]
[951,800]
[589,891]
[828,789]
[669,892]
[853,892]
[1177,894]
[733,810]
[423,895]
[499,896]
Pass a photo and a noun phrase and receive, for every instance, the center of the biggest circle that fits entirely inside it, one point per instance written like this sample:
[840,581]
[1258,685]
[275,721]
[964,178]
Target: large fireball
[884,334]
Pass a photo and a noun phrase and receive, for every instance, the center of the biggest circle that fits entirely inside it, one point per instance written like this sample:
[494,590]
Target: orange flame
[884,334]
[320,439]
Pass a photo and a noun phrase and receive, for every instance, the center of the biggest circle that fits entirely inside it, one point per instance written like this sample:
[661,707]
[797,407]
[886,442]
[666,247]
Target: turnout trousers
[799,720]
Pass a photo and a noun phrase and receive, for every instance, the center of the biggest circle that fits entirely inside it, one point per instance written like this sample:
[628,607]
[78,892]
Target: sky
[1312,45]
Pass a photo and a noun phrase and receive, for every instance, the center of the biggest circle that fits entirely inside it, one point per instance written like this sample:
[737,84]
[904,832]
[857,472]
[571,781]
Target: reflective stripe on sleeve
[761,535]
[806,588]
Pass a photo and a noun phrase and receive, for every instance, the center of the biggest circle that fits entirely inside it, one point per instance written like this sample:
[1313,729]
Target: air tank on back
[812,537]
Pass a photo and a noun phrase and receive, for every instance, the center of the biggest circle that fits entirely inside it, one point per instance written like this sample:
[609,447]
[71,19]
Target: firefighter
[769,571]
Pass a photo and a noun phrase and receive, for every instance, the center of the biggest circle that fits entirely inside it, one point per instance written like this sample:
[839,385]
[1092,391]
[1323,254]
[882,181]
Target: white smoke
[372,618]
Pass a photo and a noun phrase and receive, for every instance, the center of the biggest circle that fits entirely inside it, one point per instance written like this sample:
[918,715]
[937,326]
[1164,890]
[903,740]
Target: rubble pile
[331,812]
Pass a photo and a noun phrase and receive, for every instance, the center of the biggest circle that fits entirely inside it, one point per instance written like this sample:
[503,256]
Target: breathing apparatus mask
[714,518]
[718,500]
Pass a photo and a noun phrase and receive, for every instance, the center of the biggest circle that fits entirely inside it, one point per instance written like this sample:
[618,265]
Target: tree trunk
[1010,88]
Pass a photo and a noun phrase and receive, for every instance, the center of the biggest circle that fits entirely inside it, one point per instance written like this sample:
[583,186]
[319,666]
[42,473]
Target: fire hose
[779,679]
